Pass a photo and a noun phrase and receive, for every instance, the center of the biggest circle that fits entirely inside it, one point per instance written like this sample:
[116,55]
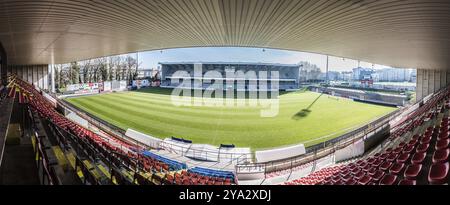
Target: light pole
[327,80]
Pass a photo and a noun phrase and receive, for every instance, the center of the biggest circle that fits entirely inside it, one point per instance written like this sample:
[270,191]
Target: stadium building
[237,76]
[48,140]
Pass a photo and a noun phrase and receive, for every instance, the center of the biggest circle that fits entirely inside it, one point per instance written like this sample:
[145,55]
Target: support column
[52,74]
[3,66]
[419,85]
[430,81]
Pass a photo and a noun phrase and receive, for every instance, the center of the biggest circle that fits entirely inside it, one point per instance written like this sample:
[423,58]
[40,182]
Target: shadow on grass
[302,114]
[305,112]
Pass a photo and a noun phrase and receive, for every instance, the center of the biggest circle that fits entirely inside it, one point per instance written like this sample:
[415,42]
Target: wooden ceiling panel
[408,33]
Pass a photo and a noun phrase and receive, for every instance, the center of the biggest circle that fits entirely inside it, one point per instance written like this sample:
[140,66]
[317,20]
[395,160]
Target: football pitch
[304,117]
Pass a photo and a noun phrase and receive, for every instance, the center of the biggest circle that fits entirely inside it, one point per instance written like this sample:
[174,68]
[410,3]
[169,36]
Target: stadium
[220,123]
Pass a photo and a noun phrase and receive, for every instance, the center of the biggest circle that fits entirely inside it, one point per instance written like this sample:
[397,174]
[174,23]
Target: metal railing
[322,150]
[243,161]
[190,152]
[104,126]
[207,155]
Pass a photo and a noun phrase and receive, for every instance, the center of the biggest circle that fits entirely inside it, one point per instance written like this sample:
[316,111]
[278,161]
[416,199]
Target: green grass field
[151,111]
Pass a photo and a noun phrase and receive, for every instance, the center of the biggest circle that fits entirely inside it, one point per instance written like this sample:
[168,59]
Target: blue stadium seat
[212,173]
[172,163]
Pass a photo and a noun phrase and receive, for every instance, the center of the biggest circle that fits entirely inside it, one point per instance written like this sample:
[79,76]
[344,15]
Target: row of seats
[110,149]
[174,165]
[316,177]
[417,117]
[290,170]
[3,93]
[212,173]
[93,145]
[191,178]
[152,165]
[423,159]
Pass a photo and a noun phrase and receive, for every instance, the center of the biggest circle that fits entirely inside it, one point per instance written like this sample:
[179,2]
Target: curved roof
[400,33]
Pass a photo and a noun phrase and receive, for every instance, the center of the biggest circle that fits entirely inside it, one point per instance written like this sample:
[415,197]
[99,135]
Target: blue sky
[150,59]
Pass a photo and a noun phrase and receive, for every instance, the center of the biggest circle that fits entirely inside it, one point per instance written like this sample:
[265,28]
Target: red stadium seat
[409,149]
[356,170]
[388,179]
[336,178]
[392,157]
[397,168]
[407,182]
[418,158]
[351,182]
[337,183]
[377,176]
[413,171]
[440,156]
[443,135]
[365,180]
[386,166]
[398,150]
[383,156]
[359,175]
[438,173]
[347,177]
[372,171]
[359,162]
[371,160]
[413,142]
[367,167]
[345,173]
[422,148]
[194,181]
[442,144]
[388,151]
[425,140]
[377,163]
[403,158]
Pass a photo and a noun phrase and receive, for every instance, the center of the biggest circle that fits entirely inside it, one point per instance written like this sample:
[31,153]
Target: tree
[75,73]
[116,67]
[131,68]
[97,70]
[309,72]
[102,64]
[57,74]
[86,71]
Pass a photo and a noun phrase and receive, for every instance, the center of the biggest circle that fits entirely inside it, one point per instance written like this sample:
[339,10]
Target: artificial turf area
[304,117]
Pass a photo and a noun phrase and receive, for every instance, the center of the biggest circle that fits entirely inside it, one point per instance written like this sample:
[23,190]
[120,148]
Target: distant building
[394,75]
[414,76]
[362,74]
[147,73]
[221,75]
[347,75]
[334,76]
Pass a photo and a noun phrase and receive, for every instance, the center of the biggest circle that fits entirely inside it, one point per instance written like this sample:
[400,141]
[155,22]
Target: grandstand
[417,154]
[227,75]
[45,140]
[96,157]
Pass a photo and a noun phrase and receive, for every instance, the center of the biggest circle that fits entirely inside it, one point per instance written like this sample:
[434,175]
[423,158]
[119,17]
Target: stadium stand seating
[174,165]
[200,176]
[212,173]
[147,167]
[421,159]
